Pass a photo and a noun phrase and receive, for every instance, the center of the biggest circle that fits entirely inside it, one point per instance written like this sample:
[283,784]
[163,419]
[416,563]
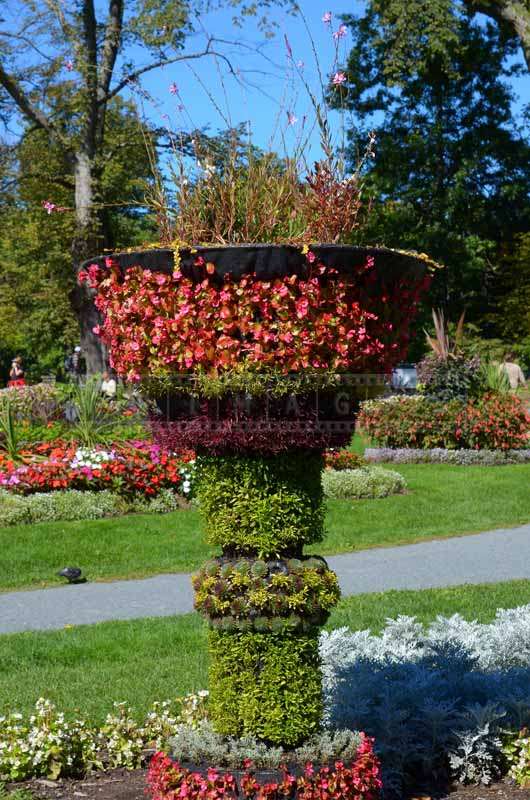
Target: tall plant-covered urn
[257,357]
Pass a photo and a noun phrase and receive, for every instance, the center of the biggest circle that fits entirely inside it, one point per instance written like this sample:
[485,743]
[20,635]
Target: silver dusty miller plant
[436,698]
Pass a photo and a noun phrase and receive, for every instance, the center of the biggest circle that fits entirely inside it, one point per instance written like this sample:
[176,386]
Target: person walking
[16,373]
[513,371]
[75,365]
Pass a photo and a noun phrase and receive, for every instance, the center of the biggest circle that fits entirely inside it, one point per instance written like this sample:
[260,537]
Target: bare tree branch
[111,46]
[29,42]
[31,112]
[513,13]
[162,62]
[90,69]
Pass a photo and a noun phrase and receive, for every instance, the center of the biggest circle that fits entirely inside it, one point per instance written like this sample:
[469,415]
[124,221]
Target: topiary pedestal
[257,356]
[263,600]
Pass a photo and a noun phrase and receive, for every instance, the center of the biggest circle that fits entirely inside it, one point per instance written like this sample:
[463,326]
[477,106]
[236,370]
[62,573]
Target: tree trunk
[86,243]
[513,13]
[518,15]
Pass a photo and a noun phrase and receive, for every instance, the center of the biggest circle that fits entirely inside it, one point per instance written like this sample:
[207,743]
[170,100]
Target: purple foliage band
[269,437]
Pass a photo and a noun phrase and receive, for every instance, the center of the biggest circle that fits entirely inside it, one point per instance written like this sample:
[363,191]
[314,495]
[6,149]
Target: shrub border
[439,455]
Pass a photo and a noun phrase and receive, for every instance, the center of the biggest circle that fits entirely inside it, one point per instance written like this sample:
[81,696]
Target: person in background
[75,365]
[108,386]
[16,373]
[513,371]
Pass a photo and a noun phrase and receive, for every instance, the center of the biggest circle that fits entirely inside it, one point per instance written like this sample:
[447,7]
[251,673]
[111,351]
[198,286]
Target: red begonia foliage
[157,323]
[360,780]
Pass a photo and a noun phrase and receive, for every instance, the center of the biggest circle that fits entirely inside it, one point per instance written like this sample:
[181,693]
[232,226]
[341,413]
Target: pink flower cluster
[157,323]
[51,208]
[167,780]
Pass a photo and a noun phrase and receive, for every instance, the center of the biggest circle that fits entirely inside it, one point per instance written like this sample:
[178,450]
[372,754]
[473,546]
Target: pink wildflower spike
[326,19]
[291,118]
[339,78]
[288,46]
[341,32]
[300,64]
[173,88]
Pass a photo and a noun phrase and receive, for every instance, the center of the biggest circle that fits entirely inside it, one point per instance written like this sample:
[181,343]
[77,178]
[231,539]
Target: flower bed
[129,469]
[358,781]
[439,455]
[47,744]
[40,403]
[493,422]
[342,459]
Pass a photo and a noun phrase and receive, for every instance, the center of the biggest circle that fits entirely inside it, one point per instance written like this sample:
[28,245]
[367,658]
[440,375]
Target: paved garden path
[481,558]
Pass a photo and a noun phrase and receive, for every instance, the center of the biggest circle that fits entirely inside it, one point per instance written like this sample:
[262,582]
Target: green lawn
[89,667]
[442,501]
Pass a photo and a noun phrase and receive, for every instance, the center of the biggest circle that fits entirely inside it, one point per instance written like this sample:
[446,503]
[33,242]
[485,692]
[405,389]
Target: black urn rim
[268,261]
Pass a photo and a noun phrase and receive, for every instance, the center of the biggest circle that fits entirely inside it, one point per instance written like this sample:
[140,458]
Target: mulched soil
[121,784]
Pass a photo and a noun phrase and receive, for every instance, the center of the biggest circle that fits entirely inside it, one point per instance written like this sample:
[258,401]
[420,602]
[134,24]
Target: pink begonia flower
[341,31]
[339,78]
[291,119]
[326,19]
[173,88]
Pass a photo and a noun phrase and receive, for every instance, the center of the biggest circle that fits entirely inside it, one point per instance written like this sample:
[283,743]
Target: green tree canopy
[452,172]
[36,276]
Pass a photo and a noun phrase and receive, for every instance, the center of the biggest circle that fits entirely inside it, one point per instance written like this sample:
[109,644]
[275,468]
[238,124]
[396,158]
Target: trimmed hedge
[261,505]
[71,504]
[363,483]
[266,685]
[493,422]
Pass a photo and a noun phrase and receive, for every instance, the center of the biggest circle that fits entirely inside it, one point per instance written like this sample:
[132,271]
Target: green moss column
[263,599]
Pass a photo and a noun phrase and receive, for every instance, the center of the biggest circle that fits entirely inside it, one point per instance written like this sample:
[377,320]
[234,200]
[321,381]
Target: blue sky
[267,88]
